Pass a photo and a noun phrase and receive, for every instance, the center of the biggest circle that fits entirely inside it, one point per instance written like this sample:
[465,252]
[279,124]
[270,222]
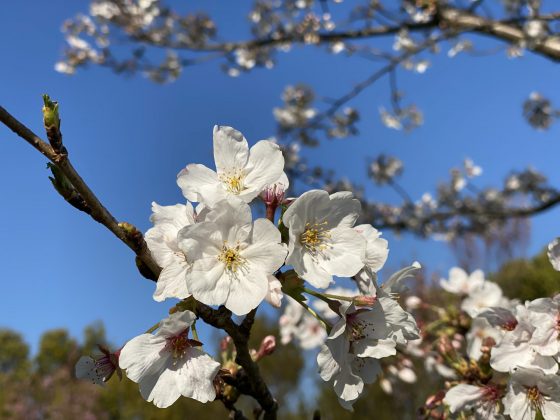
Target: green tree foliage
[528,279]
[56,349]
[49,389]
[14,354]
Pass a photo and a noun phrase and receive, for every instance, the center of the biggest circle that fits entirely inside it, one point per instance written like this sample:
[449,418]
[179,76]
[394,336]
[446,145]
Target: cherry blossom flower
[349,379]
[322,242]
[530,391]
[168,364]
[480,330]
[163,245]
[461,283]
[233,257]
[518,348]
[298,324]
[546,315]
[484,295]
[240,172]
[347,359]
[99,369]
[482,401]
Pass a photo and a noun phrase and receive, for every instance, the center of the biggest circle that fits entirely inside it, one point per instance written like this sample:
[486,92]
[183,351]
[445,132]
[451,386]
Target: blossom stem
[194,332]
[327,296]
[270,211]
[152,328]
[323,322]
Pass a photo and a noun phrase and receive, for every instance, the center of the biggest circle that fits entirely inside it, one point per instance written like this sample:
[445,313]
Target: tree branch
[465,211]
[98,212]
[504,30]
[256,388]
[507,30]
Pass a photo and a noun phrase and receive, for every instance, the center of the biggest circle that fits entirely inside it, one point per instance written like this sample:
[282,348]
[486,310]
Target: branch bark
[98,212]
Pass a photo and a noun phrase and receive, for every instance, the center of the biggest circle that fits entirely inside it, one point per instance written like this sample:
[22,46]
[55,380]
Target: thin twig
[98,211]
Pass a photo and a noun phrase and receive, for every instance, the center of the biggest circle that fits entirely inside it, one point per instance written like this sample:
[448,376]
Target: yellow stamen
[231,258]
[233,182]
[315,236]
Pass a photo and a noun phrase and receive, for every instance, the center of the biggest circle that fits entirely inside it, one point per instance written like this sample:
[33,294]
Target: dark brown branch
[508,213]
[234,413]
[254,384]
[447,18]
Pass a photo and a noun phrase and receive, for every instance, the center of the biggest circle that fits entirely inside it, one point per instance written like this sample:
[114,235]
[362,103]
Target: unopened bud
[268,345]
[485,350]
[129,228]
[445,347]
[434,400]
[51,121]
[362,300]
[225,343]
[273,195]
[50,113]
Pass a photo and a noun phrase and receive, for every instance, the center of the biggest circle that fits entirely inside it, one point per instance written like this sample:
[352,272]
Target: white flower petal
[195,376]
[200,184]
[305,208]
[139,355]
[160,388]
[344,257]
[231,150]
[265,251]
[347,385]
[309,269]
[377,349]
[172,282]
[265,166]
[343,210]
[248,287]
[274,295]
[176,323]
[462,397]
[328,367]
[554,253]
[208,282]
[85,369]
[366,368]
[179,215]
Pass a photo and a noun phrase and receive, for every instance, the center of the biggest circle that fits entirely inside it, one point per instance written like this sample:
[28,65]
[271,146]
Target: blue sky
[129,137]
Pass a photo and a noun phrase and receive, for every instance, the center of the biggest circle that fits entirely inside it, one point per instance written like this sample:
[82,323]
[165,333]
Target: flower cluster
[499,356]
[212,251]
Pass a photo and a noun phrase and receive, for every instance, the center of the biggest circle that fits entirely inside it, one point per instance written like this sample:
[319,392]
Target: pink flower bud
[268,345]
[225,343]
[273,195]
